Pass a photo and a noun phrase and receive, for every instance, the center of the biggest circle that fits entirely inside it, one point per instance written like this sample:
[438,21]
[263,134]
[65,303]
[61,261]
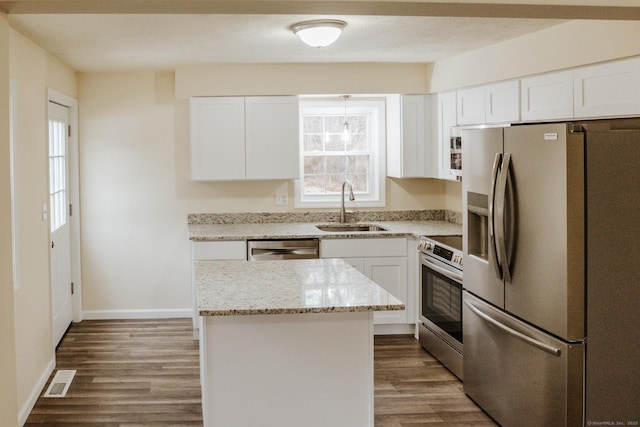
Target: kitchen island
[287,343]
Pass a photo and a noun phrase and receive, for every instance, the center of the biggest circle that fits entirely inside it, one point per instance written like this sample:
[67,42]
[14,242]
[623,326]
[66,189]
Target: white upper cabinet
[502,102]
[410,144]
[236,138]
[547,97]
[272,137]
[217,138]
[471,106]
[447,118]
[607,90]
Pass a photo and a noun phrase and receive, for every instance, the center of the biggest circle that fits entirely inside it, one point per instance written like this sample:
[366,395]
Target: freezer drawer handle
[520,336]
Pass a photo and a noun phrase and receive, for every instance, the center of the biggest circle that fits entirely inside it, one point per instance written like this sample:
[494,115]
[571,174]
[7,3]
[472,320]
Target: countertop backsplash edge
[323,216]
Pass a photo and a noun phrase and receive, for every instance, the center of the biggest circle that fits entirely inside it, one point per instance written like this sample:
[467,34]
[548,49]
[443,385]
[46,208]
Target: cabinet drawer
[341,248]
[385,247]
[346,248]
[223,250]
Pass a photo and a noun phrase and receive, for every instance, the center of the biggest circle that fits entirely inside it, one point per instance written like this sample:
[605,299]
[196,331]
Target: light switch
[45,211]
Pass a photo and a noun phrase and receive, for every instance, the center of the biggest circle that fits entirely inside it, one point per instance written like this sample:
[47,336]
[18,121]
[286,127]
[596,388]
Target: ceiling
[111,35]
[115,42]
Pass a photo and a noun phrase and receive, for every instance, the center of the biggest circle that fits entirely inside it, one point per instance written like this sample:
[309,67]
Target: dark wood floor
[145,373]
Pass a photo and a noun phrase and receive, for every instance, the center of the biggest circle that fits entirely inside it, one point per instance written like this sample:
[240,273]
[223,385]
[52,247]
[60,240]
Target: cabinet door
[502,102]
[470,106]
[413,136]
[607,90]
[447,118]
[391,274]
[272,137]
[217,138]
[547,97]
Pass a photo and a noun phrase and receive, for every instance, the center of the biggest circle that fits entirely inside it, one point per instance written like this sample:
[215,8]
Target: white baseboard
[394,329]
[172,313]
[35,392]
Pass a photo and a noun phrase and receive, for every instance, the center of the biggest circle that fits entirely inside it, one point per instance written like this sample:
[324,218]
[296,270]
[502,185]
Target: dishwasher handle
[282,249]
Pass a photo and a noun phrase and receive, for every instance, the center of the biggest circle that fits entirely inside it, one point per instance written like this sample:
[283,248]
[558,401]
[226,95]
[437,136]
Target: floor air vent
[60,383]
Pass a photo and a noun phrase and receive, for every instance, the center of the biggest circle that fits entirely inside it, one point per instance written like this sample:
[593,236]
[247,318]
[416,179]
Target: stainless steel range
[440,328]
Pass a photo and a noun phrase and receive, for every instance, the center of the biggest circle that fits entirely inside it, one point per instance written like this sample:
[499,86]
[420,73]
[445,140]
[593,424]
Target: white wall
[8,376]
[296,79]
[136,192]
[34,72]
[567,45]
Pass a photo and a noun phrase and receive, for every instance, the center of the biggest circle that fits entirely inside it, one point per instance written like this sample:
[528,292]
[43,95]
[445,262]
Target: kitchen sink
[349,227]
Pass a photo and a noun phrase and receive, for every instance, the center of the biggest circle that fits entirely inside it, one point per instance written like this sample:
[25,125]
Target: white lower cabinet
[382,260]
[213,251]
[391,274]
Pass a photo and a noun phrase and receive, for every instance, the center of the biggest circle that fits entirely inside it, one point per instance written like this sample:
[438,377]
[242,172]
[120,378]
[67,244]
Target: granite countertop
[212,232]
[225,288]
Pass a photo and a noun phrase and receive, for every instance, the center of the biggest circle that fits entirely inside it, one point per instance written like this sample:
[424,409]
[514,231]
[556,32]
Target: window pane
[359,164]
[313,142]
[312,124]
[334,183]
[360,183]
[314,165]
[335,143]
[314,184]
[359,142]
[337,165]
[333,124]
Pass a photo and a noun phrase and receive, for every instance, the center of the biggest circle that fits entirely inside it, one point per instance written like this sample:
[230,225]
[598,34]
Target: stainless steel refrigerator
[551,224]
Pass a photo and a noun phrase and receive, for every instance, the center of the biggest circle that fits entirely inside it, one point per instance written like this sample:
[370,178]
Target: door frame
[74,197]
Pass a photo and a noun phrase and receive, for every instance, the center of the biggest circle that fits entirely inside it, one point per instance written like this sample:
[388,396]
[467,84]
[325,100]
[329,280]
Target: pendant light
[318,32]
[346,133]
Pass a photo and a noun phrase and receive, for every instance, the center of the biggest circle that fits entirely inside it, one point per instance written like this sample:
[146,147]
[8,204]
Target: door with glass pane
[61,301]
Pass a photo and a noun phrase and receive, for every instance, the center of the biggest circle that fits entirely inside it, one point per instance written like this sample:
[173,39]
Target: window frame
[374,105]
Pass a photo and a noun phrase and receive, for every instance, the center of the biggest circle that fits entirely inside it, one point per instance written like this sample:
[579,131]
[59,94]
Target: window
[328,158]
[57,173]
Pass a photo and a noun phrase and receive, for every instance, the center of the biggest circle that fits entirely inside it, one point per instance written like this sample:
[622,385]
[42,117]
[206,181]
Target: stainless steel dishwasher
[259,250]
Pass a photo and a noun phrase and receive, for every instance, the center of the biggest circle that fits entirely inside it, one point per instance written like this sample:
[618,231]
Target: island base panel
[312,370]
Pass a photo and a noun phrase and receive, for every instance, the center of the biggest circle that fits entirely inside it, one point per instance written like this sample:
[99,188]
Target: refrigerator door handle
[532,341]
[501,196]
[492,199]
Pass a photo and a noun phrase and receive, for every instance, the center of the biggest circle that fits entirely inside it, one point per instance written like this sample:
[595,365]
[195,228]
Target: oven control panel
[440,251]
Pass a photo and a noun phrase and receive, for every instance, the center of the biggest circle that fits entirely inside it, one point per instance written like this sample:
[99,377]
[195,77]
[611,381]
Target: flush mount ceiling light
[319,32]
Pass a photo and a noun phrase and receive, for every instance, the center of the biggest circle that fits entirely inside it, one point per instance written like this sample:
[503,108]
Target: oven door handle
[451,275]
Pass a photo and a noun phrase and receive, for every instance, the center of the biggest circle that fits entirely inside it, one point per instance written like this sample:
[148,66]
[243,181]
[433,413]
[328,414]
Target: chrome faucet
[351,197]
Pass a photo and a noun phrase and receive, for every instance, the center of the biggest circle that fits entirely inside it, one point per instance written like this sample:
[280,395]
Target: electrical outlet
[282,199]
